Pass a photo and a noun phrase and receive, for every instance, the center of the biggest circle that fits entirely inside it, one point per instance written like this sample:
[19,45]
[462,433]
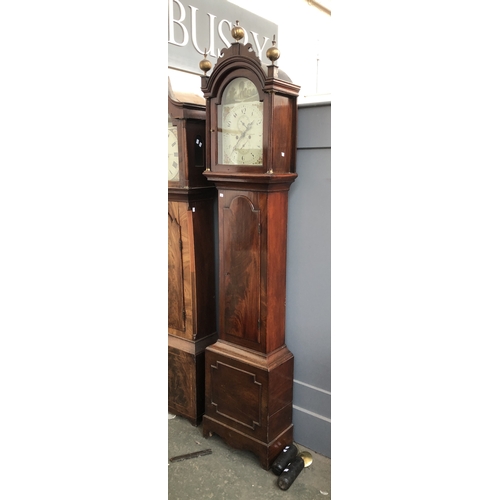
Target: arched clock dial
[173,152]
[241,124]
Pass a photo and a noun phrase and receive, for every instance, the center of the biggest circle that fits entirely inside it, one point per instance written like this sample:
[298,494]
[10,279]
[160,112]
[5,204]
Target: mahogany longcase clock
[251,150]
[191,256]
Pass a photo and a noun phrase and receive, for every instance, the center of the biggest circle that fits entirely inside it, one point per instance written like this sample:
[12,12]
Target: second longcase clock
[251,148]
[191,263]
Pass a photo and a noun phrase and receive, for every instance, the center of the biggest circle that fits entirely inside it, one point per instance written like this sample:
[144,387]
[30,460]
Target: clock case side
[279,96]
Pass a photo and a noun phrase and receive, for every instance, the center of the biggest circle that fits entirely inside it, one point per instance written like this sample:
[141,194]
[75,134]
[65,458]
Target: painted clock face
[173,152]
[240,118]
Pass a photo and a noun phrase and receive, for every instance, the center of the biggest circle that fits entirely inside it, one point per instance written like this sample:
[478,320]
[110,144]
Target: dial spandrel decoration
[173,152]
[240,117]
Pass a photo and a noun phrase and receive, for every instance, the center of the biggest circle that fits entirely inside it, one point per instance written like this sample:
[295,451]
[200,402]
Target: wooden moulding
[190,195]
[265,452]
[251,182]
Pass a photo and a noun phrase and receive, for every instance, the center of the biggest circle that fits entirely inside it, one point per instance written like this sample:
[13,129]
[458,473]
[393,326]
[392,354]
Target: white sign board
[198,25]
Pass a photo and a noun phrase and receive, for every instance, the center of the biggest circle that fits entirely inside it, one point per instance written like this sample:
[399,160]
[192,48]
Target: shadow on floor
[230,474]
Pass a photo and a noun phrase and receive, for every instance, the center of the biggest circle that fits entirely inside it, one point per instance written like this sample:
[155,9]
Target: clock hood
[244,58]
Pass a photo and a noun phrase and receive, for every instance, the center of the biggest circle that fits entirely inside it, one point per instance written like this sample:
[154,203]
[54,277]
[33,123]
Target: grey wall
[308,318]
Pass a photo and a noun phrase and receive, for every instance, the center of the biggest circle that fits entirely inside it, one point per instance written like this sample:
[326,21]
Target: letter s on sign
[222,37]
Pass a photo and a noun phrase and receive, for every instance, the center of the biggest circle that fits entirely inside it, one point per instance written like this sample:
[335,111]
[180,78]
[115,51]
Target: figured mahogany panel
[176,318]
[283,147]
[180,277]
[276,232]
[186,384]
[240,270]
[281,386]
[181,382]
[236,394]
[191,289]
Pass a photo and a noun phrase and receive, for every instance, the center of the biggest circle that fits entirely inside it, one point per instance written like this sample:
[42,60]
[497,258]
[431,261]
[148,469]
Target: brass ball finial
[237,32]
[272,52]
[205,64]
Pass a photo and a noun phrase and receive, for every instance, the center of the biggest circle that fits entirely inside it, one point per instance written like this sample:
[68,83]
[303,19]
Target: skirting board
[311,417]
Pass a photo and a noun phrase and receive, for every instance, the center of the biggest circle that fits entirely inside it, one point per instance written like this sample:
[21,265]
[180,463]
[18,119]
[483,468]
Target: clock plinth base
[186,377]
[265,452]
[248,399]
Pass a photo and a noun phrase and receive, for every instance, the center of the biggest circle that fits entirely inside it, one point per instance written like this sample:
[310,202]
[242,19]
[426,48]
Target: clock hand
[249,126]
[240,143]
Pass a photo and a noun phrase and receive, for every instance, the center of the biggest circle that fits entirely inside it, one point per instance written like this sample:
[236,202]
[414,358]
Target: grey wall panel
[308,269]
[308,315]
[312,398]
[314,127]
[312,431]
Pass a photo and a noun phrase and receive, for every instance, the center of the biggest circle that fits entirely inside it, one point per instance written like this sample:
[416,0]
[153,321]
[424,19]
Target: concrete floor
[230,474]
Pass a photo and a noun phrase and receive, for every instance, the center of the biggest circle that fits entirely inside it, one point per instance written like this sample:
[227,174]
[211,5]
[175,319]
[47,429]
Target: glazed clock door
[241,117]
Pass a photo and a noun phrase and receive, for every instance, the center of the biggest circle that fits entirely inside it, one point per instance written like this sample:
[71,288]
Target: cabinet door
[240,273]
[179,278]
